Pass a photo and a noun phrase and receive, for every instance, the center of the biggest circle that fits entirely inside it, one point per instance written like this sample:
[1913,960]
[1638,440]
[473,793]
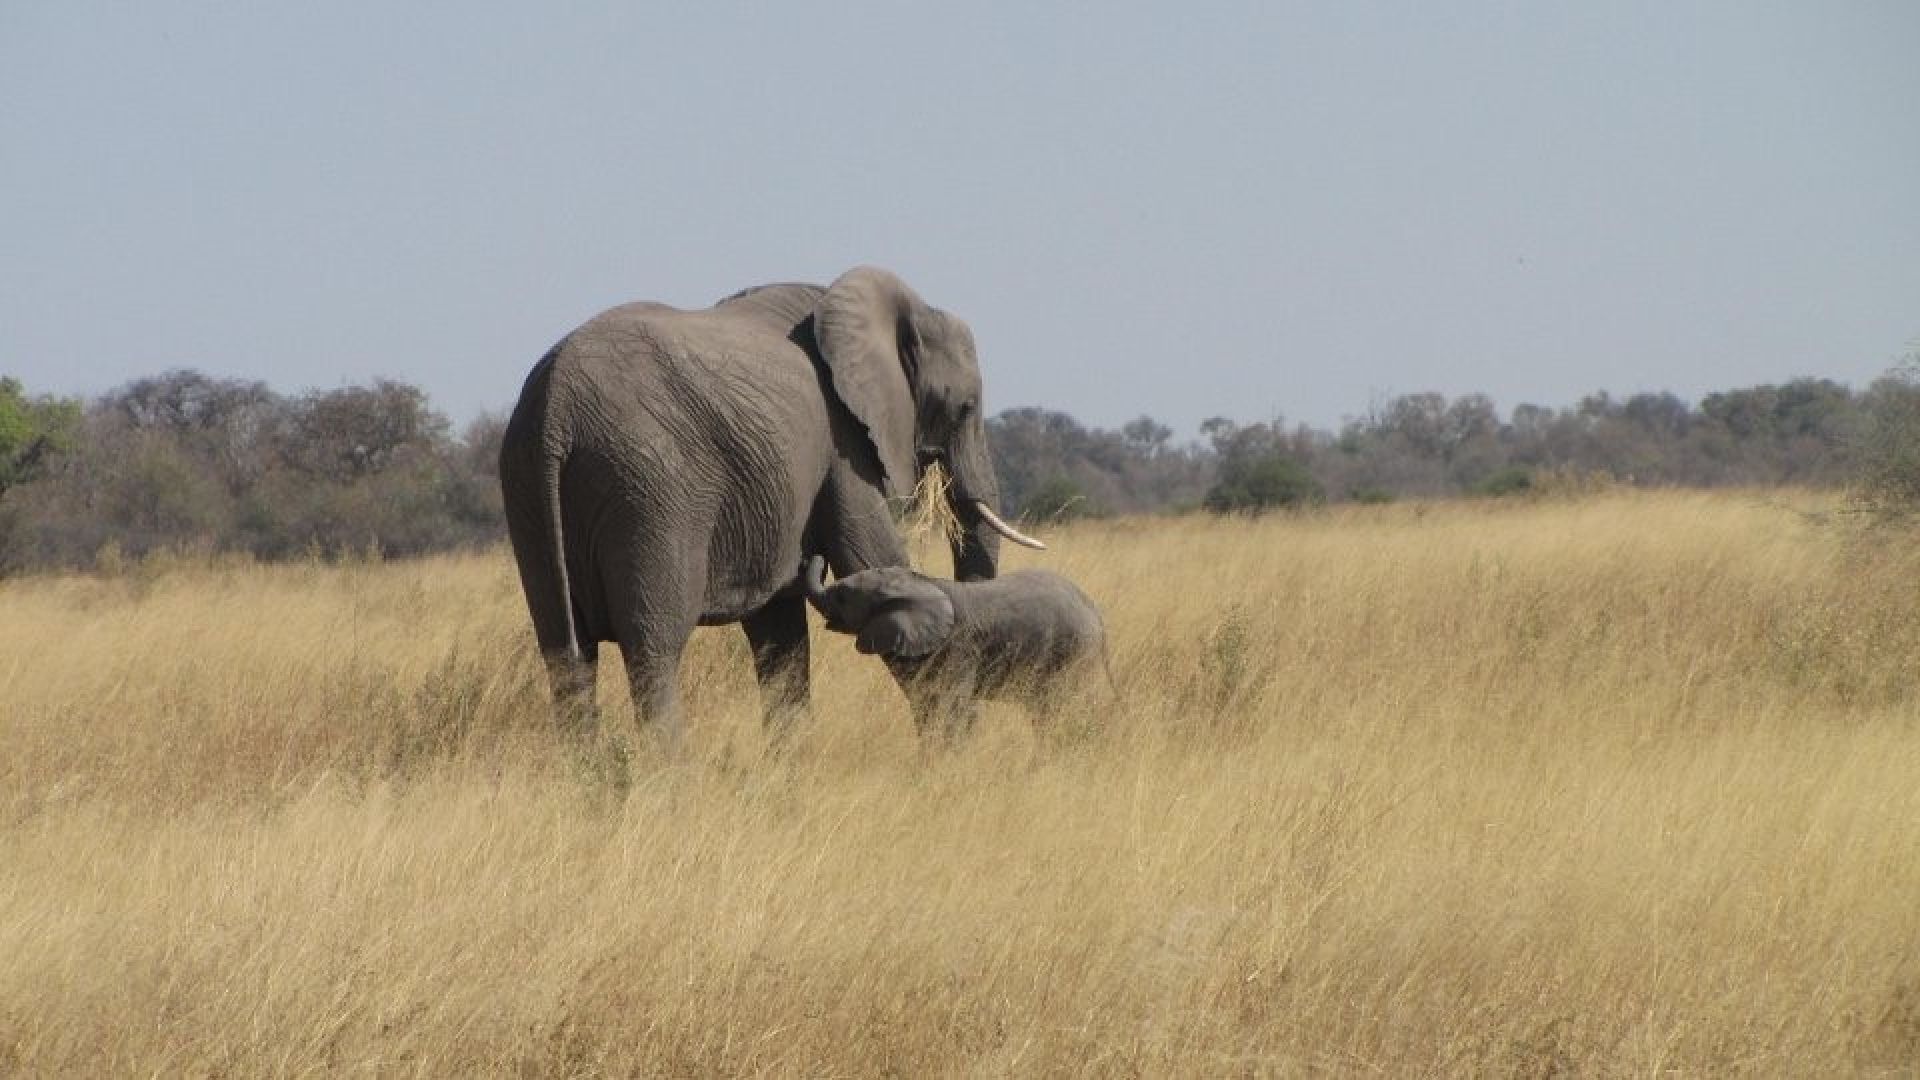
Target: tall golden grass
[1625,784]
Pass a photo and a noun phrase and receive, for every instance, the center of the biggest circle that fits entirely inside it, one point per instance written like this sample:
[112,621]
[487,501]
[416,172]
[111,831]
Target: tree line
[193,463]
[1808,432]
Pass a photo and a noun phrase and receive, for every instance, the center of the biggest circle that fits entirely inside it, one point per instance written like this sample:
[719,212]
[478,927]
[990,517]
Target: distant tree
[1531,421]
[374,468]
[1058,498]
[1405,445]
[1133,469]
[1799,432]
[360,430]
[117,488]
[186,461]
[32,429]
[1511,480]
[1260,468]
[1263,483]
[1145,435]
[1662,415]
[480,444]
[1888,444]
[228,426]
[1029,445]
[183,400]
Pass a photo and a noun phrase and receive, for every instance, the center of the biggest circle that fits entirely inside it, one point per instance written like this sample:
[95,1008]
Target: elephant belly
[1037,664]
[754,548]
[731,601]
[703,553]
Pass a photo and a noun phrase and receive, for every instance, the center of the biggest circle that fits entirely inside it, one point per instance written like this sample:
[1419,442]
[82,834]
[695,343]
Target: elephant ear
[911,618]
[865,328]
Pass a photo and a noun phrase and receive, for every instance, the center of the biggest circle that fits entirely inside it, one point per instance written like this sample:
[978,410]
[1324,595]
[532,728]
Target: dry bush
[1624,784]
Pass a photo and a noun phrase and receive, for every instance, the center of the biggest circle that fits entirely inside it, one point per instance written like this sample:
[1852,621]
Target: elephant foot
[781,723]
[944,729]
[604,765]
[667,739]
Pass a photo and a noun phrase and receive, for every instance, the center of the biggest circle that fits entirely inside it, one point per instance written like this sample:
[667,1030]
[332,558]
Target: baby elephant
[1029,635]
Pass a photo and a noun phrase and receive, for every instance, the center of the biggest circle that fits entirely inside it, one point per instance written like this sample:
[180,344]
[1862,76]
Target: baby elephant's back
[1072,613]
[1042,624]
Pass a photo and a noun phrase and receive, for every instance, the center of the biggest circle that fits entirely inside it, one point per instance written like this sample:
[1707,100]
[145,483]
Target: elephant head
[893,611]
[908,373]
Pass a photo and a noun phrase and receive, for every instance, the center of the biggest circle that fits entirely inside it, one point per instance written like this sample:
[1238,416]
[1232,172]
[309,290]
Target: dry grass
[1628,784]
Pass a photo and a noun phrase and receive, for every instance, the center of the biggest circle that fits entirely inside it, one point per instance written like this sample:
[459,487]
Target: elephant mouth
[971,508]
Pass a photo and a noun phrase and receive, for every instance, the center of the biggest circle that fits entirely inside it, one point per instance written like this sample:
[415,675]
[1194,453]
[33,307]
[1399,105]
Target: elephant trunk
[813,581]
[976,551]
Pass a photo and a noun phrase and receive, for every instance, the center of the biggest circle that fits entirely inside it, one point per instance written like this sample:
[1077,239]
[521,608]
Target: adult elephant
[667,468]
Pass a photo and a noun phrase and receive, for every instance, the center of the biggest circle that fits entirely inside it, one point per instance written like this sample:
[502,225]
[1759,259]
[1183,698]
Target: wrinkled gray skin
[665,469]
[1029,636]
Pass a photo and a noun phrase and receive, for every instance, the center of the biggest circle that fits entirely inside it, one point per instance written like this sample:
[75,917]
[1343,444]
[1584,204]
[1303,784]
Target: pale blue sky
[1179,210]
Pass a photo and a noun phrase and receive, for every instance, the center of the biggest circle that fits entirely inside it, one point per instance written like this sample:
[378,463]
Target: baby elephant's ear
[908,626]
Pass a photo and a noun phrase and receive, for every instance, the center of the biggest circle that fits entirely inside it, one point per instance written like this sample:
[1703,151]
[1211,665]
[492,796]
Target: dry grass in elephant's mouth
[929,522]
[1622,785]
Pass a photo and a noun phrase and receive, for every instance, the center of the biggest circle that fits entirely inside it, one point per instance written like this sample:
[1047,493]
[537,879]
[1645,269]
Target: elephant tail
[557,549]
[552,435]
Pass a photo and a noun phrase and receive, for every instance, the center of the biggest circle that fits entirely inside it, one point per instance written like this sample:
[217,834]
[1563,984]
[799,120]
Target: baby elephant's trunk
[813,582]
[813,579]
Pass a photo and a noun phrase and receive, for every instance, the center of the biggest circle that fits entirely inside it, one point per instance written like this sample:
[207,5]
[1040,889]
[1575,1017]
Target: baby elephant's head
[894,611]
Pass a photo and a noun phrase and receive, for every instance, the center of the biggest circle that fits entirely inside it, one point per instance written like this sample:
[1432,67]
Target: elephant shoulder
[788,298]
[637,311]
[782,309]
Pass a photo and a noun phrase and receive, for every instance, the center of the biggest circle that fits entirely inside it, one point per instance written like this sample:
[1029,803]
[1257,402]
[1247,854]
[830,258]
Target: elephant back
[786,308]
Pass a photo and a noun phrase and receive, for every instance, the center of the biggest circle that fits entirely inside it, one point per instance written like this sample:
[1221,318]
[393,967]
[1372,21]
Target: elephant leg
[654,597]
[653,677]
[941,699]
[570,670]
[572,679]
[944,720]
[778,634]
[951,719]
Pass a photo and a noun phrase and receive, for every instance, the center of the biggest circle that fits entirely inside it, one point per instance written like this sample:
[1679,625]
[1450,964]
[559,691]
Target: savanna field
[1617,785]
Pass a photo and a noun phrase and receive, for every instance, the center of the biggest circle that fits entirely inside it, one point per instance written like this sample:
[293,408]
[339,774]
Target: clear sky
[1180,210]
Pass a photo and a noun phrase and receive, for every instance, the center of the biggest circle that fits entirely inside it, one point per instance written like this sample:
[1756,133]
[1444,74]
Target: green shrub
[1512,480]
[31,429]
[1058,498]
[1888,446]
[1270,481]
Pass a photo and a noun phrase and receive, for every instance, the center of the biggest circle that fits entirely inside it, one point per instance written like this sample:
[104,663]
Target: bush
[32,430]
[1058,498]
[189,463]
[1260,467]
[1272,481]
[1888,446]
[1512,480]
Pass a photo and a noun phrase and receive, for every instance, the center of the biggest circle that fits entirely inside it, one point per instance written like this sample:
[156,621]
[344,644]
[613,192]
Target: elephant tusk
[1006,530]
